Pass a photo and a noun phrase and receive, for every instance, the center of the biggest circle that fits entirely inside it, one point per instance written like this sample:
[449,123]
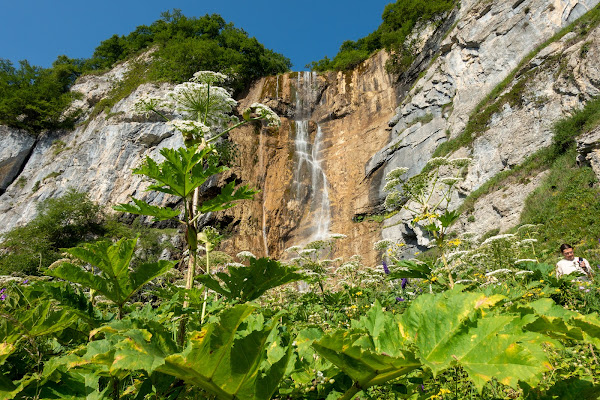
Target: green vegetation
[113,327]
[34,98]
[62,222]
[67,221]
[398,21]
[567,204]
[481,319]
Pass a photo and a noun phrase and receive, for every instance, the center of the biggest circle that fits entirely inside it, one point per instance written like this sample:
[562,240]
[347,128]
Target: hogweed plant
[206,110]
[314,259]
[426,197]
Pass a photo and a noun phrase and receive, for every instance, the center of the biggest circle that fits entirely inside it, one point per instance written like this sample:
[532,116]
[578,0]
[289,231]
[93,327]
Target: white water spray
[310,181]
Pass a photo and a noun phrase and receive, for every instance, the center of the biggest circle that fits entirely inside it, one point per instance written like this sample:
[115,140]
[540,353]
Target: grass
[567,204]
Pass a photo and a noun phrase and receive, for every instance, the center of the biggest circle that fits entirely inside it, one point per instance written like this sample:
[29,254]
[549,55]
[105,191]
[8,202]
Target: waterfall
[310,182]
[263,168]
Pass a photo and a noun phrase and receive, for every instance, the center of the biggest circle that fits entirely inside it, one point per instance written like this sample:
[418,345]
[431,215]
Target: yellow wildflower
[454,242]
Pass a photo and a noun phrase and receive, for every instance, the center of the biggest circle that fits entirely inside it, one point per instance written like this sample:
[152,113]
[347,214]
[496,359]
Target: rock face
[350,112]
[15,150]
[97,157]
[484,48]
[346,129]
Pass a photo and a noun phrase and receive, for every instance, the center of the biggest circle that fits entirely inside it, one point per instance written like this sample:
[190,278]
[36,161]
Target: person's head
[567,252]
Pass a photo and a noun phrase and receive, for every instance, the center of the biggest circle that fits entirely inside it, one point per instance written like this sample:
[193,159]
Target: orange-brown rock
[352,110]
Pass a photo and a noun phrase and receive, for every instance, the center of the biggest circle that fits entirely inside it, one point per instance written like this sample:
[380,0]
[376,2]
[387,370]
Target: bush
[62,222]
[34,98]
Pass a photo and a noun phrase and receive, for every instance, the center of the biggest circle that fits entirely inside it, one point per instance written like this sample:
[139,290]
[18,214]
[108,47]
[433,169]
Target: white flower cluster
[245,254]
[460,162]
[393,178]
[146,105]
[527,226]
[234,264]
[209,77]
[524,260]
[499,271]
[393,200]
[450,180]
[497,238]
[382,245]
[188,126]
[524,272]
[199,100]
[294,249]
[307,252]
[465,281]
[260,111]
[437,162]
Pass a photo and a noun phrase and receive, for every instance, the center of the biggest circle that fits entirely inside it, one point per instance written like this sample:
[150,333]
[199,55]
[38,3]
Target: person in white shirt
[571,264]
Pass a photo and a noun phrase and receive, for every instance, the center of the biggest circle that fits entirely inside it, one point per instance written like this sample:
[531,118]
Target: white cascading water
[310,181]
[262,166]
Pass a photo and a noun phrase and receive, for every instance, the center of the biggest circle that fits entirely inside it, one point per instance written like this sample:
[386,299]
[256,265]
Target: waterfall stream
[262,166]
[310,182]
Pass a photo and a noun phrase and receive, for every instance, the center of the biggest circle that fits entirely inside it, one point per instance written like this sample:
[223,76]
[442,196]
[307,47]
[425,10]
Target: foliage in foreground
[481,340]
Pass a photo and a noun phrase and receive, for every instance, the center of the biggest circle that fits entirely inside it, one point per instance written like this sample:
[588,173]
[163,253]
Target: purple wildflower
[404,282]
[2,290]
[3,297]
[385,268]
[25,281]
[399,299]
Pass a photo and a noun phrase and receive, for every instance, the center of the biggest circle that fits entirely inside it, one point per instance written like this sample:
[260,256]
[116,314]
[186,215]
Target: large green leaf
[124,346]
[453,328]
[226,358]
[545,316]
[115,280]
[438,332]
[182,171]
[410,269]
[27,314]
[373,352]
[142,208]
[226,198]
[590,327]
[249,283]
[554,321]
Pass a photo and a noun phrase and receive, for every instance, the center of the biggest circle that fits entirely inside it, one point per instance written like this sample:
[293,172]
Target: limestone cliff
[357,126]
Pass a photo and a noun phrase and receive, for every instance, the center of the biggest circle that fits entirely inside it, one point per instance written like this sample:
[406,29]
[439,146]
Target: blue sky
[304,31]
